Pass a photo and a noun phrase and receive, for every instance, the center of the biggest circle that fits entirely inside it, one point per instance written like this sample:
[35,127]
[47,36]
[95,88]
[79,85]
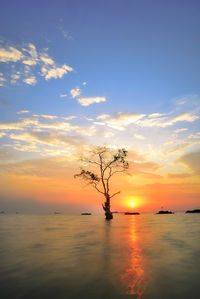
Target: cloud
[19,125]
[4,155]
[165,121]
[32,59]
[46,59]
[192,161]
[30,62]
[14,77]
[65,33]
[189,117]
[45,116]
[139,136]
[84,83]
[75,92]
[121,119]
[178,175]
[194,136]
[10,55]
[181,130]
[91,100]
[103,116]
[154,115]
[2,134]
[55,72]
[30,81]
[43,121]
[23,111]
[63,95]
[2,80]
[48,137]
[181,146]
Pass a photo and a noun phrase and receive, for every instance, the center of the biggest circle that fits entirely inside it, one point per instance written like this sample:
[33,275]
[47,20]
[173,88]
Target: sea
[81,257]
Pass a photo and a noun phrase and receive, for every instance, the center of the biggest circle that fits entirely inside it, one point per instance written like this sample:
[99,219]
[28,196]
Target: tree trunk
[106,208]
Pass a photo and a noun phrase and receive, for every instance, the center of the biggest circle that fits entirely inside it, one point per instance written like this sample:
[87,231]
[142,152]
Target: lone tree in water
[105,163]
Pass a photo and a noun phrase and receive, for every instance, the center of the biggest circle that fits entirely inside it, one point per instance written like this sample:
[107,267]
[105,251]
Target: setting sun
[132,203]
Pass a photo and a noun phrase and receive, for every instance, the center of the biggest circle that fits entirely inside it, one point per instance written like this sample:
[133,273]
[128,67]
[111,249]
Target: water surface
[62,256]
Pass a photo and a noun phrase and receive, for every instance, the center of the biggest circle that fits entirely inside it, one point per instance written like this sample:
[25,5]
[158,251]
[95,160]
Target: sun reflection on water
[133,277]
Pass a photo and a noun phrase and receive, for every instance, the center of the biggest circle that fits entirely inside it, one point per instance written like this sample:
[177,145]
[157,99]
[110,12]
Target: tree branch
[95,186]
[114,194]
[102,173]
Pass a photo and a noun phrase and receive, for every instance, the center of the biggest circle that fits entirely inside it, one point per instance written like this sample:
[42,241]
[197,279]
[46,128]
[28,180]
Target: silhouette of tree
[105,164]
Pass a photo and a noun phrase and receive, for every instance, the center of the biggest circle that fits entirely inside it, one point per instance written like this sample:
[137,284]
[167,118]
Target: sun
[132,203]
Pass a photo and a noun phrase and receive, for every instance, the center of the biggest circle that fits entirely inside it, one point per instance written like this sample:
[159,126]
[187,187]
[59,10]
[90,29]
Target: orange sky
[51,181]
[78,76]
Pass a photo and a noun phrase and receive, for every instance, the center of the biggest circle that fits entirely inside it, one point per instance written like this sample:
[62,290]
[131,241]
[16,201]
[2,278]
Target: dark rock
[86,213]
[165,212]
[193,211]
[131,213]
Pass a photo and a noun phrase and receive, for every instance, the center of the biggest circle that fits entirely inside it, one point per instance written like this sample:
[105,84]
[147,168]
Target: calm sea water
[62,256]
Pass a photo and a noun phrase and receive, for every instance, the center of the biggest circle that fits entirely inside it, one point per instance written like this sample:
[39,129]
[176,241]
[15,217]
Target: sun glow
[132,203]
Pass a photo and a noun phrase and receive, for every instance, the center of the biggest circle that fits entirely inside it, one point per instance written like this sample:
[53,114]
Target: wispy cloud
[45,116]
[2,134]
[86,101]
[121,119]
[166,121]
[178,175]
[180,146]
[32,58]
[65,33]
[191,161]
[23,111]
[63,95]
[181,130]
[2,80]
[138,136]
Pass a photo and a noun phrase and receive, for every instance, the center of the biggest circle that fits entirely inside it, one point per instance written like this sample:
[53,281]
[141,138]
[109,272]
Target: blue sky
[120,73]
[134,52]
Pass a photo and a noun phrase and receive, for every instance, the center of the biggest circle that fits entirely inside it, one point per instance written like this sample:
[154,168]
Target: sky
[78,74]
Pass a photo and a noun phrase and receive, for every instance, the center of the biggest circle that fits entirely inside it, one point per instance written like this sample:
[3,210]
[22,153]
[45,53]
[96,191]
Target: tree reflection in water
[133,277]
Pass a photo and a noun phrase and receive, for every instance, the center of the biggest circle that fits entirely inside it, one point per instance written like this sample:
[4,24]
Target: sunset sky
[74,74]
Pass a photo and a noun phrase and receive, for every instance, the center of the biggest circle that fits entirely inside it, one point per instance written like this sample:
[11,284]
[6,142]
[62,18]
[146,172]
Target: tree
[103,163]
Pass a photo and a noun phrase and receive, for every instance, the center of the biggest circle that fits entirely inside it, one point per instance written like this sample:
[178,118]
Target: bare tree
[103,164]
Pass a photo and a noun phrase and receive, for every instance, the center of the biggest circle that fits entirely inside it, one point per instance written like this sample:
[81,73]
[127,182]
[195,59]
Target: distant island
[193,211]
[131,213]
[86,213]
[165,212]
